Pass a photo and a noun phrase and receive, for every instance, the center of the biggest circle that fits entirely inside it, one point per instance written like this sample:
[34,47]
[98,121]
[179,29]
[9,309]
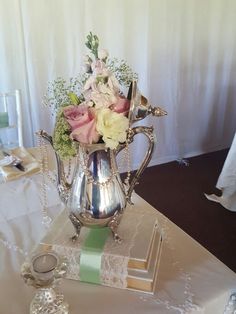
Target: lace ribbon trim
[115,258]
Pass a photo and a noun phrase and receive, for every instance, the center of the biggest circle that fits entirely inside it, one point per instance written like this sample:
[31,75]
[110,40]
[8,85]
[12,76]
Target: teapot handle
[148,132]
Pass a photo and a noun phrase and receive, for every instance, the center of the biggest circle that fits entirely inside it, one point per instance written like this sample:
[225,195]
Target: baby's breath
[122,71]
[61,93]
[58,91]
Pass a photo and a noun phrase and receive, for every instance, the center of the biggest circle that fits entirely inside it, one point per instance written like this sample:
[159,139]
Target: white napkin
[30,164]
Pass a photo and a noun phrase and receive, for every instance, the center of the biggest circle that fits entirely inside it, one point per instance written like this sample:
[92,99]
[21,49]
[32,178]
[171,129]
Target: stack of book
[133,264]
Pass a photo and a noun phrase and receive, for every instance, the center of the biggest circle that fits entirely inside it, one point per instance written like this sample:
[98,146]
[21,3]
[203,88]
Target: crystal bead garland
[84,163]
[128,159]
[69,169]
[44,171]
[125,162]
[13,247]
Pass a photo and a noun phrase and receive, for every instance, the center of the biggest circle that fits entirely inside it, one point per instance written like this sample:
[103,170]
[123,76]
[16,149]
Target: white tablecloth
[190,279]
[227,181]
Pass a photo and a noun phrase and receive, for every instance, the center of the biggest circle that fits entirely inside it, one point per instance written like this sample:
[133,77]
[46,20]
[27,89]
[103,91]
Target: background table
[190,279]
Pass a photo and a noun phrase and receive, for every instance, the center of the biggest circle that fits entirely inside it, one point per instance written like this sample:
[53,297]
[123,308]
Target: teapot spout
[62,185]
[46,136]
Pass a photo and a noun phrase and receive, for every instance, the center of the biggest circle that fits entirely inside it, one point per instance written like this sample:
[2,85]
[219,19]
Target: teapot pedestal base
[113,225]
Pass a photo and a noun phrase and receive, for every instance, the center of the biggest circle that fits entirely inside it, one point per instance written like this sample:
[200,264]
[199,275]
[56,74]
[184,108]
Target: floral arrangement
[92,108]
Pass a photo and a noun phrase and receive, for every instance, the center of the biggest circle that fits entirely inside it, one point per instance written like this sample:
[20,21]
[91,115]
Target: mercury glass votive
[43,272]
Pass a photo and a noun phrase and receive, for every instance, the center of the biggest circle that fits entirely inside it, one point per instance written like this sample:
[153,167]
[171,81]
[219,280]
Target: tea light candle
[43,265]
[4,121]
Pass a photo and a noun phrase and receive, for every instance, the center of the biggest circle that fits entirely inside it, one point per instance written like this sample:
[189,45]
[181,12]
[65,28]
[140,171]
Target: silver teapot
[96,196]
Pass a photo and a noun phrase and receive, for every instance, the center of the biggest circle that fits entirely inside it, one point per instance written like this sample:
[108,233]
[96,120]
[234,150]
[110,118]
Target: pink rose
[83,124]
[121,106]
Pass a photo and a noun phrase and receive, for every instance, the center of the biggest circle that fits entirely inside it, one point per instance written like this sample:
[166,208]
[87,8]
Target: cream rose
[112,126]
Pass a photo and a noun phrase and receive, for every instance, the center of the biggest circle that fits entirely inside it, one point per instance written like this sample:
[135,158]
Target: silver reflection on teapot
[96,196]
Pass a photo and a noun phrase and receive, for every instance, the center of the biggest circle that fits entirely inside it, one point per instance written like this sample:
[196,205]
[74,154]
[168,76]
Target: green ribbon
[91,255]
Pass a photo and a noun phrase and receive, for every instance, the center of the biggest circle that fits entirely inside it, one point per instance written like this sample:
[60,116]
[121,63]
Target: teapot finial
[140,107]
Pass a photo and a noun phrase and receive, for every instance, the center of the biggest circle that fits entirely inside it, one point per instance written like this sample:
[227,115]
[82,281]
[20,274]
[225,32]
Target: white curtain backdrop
[183,51]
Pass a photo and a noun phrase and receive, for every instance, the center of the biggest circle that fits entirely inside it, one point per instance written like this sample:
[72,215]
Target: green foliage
[62,143]
[74,100]
[92,44]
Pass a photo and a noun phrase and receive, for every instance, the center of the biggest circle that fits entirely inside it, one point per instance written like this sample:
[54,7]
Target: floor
[178,192]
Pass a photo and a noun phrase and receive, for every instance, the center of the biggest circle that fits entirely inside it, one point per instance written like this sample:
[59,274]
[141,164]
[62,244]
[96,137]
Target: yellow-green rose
[112,126]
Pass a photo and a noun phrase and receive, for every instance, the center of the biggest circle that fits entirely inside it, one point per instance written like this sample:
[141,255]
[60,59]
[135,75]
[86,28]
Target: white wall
[183,50]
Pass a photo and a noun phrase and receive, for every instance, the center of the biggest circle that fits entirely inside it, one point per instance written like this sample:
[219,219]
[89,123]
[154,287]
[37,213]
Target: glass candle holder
[4,120]
[43,266]
[43,272]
